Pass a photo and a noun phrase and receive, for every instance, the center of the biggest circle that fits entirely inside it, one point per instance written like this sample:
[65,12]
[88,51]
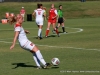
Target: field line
[59,47]
[78,30]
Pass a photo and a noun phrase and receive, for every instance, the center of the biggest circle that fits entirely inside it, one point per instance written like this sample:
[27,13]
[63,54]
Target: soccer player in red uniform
[52,20]
[22,12]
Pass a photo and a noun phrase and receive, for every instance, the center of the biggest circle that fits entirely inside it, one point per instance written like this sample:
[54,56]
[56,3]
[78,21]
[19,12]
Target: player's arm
[33,14]
[56,14]
[44,14]
[14,40]
[27,32]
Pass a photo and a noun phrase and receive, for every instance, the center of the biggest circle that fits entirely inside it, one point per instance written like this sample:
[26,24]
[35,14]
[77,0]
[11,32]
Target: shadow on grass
[17,65]
[45,37]
[55,67]
[22,65]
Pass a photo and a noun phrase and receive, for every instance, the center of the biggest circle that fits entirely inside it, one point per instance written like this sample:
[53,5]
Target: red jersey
[52,13]
[22,11]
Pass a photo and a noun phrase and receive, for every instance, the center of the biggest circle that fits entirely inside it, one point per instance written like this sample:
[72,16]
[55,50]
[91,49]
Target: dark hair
[39,5]
[60,6]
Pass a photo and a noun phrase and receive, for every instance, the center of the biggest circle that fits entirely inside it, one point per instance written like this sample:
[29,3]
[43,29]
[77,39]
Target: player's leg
[55,29]
[63,26]
[23,16]
[40,57]
[33,49]
[48,29]
[40,32]
[58,25]
[37,61]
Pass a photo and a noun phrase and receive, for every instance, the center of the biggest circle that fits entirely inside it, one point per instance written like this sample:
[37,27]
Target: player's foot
[40,38]
[47,65]
[46,36]
[58,35]
[39,67]
[53,31]
[64,32]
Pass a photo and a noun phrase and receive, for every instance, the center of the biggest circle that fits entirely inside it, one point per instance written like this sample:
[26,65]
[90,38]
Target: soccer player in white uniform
[38,14]
[20,34]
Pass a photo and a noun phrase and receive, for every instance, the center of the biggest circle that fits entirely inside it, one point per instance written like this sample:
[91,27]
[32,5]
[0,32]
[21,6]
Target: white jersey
[22,35]
[22,38]
[39,13]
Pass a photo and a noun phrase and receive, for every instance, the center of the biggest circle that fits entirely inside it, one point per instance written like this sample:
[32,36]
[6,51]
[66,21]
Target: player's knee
[35,49]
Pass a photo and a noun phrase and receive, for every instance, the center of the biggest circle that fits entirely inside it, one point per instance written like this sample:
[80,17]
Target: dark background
[42,0]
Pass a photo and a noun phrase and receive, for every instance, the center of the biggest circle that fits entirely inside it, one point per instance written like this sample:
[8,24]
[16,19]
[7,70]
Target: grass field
[78,51]
[71,9]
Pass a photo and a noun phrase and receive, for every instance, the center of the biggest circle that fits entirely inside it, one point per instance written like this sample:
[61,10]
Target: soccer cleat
[47,65]
[53,31]
[46,36]
[40,38]
[64,32]
[58,35]
[39,67]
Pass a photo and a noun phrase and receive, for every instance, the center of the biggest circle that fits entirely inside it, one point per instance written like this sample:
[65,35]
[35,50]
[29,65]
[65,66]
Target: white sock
[36,60]
[39,32]
[40,57]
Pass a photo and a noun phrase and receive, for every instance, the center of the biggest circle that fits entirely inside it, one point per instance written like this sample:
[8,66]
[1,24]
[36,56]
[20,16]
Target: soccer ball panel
[55,61]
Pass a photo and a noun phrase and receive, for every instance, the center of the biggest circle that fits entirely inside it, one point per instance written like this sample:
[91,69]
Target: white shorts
[27,45]
[39,22]
[23,15]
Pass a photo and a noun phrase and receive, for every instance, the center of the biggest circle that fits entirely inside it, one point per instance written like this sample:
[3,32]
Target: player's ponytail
[11,20]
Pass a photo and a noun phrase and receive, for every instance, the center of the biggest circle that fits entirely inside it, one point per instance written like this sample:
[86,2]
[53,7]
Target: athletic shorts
[60,20]
[22,15]
[52,21]
[28,45]
[39,22]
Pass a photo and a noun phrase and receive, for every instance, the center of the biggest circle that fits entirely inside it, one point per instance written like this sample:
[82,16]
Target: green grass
[71,9]
[76,51]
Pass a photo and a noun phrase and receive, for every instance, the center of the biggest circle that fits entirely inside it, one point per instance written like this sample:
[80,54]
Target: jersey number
[31,44]
[39,13]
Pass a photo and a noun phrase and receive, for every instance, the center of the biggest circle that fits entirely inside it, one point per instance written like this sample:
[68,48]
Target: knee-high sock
[36,60]
[39,32]
[56,30]
[47,32]
[63,28]
[40,57]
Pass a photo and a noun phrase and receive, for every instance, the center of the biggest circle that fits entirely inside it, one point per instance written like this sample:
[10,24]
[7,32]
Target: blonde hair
[11,20]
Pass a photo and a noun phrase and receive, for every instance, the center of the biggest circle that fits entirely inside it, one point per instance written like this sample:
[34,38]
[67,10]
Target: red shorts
[52,21]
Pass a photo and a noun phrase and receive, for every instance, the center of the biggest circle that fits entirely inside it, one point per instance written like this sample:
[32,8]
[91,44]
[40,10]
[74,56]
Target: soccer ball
[55,61]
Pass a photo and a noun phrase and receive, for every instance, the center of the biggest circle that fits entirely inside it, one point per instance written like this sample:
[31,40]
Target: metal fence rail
[40,0]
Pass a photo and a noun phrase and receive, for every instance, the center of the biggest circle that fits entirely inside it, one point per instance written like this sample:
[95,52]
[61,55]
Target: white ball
[55,61]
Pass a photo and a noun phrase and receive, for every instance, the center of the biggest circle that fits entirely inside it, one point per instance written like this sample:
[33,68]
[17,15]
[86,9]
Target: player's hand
[27,32]
[64,19]
[53,17]
[11,47]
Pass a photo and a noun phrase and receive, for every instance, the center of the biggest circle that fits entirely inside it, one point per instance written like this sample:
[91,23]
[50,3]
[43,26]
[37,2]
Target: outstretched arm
[14,40]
